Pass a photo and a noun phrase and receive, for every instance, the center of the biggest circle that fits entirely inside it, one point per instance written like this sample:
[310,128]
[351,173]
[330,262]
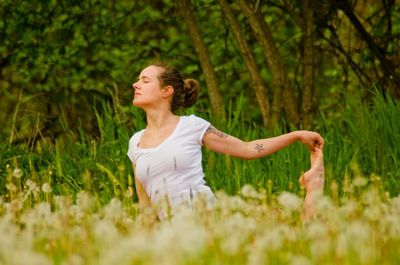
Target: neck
[157,119]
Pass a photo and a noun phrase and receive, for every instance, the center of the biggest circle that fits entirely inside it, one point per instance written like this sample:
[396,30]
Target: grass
[252,227]
[363,142]
[72,201]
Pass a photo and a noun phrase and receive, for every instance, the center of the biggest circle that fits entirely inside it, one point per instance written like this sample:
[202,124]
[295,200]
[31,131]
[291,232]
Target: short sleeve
[133,142]
[200,126]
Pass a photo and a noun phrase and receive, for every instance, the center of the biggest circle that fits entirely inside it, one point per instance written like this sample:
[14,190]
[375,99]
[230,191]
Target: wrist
[297,135]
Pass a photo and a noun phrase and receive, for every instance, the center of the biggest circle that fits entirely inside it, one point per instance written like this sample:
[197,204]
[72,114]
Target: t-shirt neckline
[163,142]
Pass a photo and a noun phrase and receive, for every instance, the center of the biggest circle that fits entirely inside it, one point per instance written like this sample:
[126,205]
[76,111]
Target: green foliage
[363,142]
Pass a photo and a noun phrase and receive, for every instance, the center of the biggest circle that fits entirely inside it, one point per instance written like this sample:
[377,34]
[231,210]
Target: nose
[135,85]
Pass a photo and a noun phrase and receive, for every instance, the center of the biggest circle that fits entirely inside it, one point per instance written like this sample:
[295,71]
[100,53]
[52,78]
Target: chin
[136,103]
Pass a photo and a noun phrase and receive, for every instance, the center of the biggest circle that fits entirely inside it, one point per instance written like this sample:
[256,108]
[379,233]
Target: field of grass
[72,201]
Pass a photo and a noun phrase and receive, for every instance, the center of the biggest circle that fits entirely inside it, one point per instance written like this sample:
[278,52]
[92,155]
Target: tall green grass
[365,141]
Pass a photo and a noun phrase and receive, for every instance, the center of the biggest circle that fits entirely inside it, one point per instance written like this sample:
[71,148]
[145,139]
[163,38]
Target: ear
[167,91]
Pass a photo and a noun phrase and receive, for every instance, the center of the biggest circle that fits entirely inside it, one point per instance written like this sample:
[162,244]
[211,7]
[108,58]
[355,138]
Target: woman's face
[147,90]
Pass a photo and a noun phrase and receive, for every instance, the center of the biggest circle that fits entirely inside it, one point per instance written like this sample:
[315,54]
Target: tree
[308,64]
[214,94]
[392,78]
[258,85]
[282,90]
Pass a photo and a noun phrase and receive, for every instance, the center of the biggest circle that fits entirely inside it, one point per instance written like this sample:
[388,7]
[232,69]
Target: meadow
[72,201]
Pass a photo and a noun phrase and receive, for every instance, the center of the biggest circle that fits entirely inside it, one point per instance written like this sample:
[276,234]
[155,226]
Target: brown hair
[186,91]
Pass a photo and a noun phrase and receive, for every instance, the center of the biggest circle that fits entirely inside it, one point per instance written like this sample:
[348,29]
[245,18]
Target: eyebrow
[144,77]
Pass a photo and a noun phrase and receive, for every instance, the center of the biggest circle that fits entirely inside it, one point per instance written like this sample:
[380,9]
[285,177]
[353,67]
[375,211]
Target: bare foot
[313,179]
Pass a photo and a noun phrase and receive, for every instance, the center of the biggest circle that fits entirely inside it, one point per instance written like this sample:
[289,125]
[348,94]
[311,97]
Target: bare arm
[220,142]
[144,200]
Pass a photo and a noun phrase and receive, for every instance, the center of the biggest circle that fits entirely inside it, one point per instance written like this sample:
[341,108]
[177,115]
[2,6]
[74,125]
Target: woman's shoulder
[136,136]
[195,123]
[195,119]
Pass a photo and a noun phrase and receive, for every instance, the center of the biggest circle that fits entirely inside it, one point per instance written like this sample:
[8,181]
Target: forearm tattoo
[259,148]
[213,130]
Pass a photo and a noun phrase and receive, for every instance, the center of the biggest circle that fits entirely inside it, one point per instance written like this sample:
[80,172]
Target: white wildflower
[372,213]
[62,202]
[84,201]
[349,209]
[359,233]
[105,232]
[22,257]
[320,247]
[390,226]
[248,191]
[360,181]
[73,259]
[32,186]
[46,188]
[17,173]
[129,193]
[299,260]
[316,230]
[113,210]
[256,256]
[13,206]
[290,201]
[180,238]
[270,240]
[11,187]
[395,204]
[342,245]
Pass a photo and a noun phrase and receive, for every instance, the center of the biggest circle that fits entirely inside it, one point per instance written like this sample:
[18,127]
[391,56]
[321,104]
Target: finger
[322,142]
[319,141]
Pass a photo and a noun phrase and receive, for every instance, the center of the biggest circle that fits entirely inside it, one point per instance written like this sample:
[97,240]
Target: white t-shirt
[174,167]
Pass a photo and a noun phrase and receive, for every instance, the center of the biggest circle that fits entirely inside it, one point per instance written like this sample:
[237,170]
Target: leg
[313,182]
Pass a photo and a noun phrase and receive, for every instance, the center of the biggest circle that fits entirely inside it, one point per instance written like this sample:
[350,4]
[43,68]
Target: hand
[312,139]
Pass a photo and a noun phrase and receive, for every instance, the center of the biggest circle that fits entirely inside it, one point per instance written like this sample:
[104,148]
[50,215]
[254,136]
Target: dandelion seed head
[62,202]
[290,201]
[316,230]
[248,191]
[74,259]
[17,173]
[270,240]
[395,204]
[183,236]
[390,226]
[32,186]
[129,193]
[13,206]
[349,208]
[320,247]
[46,188]
[105,232]
[359,232]
[22,257]
[360,181]
[113,210]
[11,187]
[299,260]
[342,245]
[84,201]
[372,213]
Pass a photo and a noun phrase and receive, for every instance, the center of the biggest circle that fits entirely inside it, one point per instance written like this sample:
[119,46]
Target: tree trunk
[249,61]
[217,104]
[280,78]
[388,67]
[308,103]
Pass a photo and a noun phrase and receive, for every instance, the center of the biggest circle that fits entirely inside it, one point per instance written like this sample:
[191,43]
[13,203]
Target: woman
[166,155]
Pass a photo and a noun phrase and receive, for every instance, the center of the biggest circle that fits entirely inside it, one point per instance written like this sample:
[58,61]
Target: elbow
[247,156]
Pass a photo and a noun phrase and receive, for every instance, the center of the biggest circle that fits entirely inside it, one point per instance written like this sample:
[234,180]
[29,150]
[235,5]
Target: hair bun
[191,92]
